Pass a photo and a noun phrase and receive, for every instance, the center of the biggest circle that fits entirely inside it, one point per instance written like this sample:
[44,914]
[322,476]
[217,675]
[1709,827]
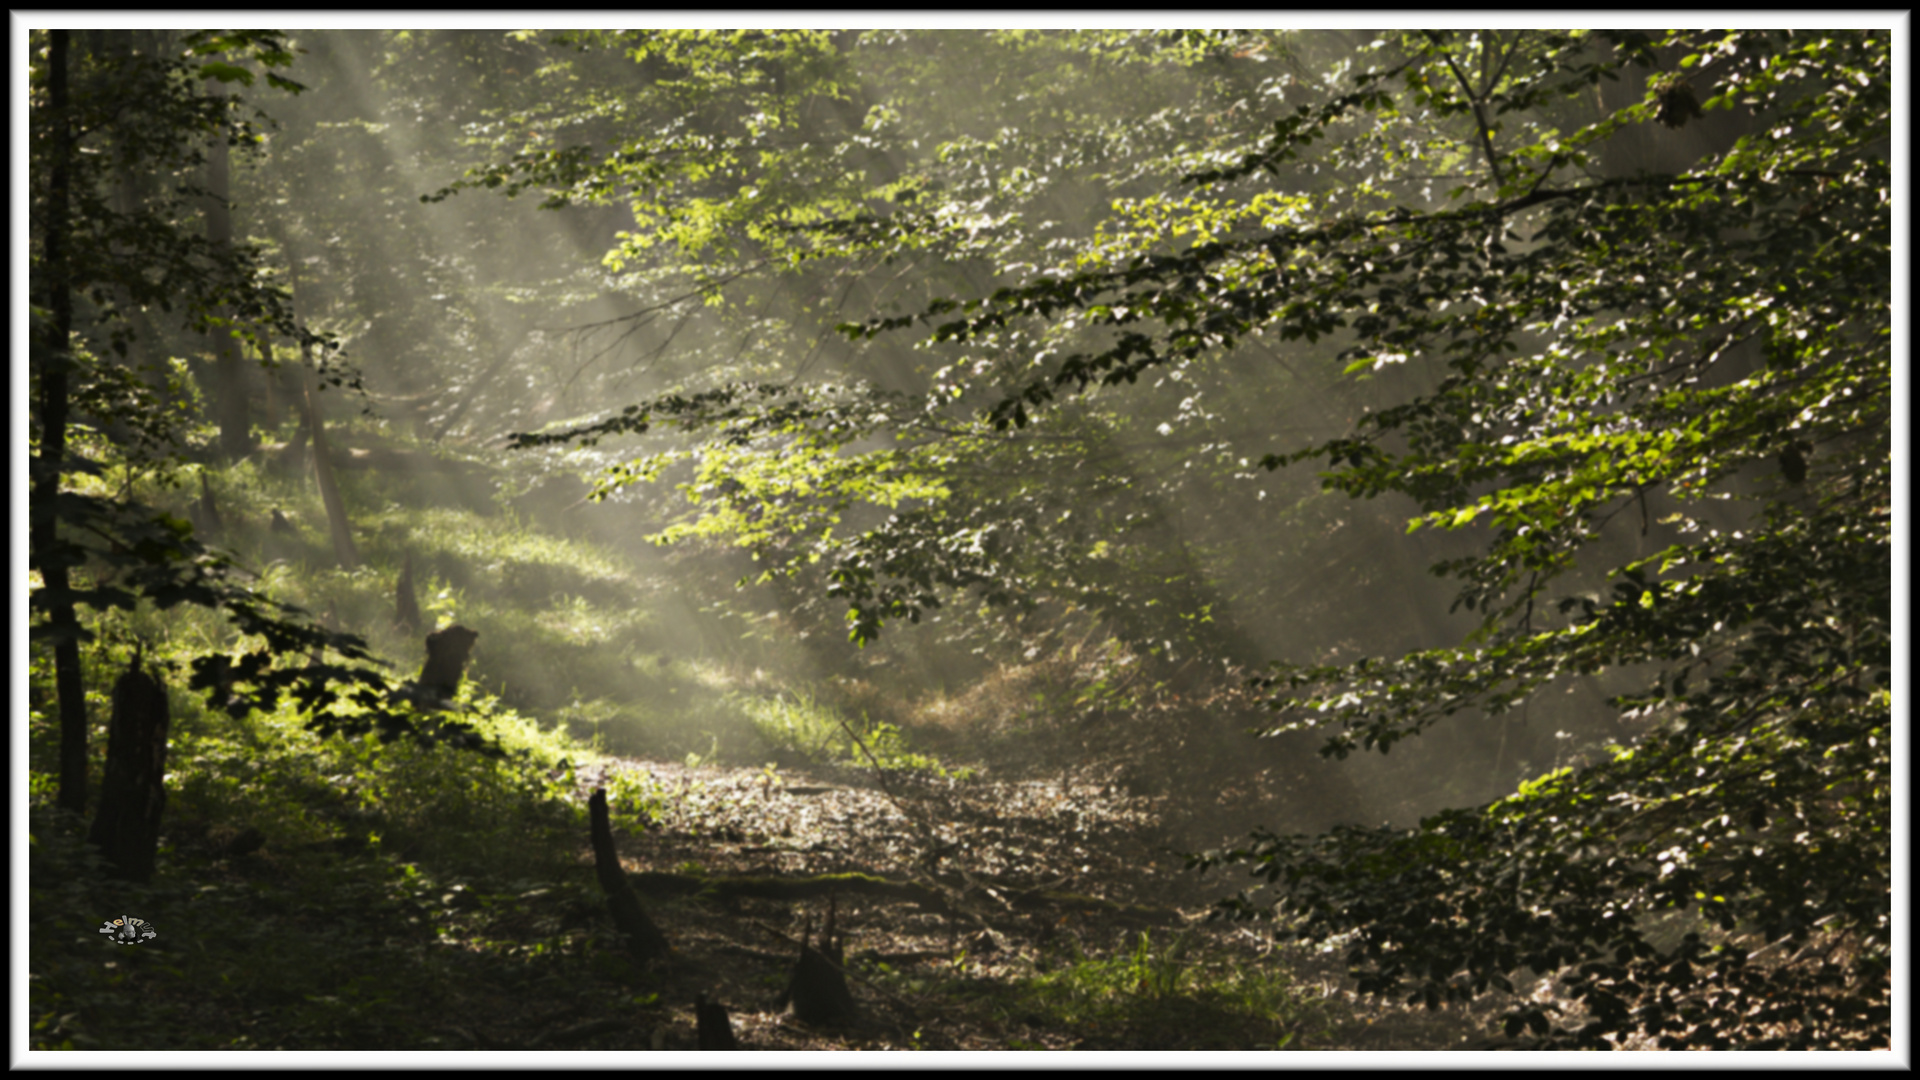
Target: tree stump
[817,993]
[447,652]
[714,1028]
[645,942]
[126,827]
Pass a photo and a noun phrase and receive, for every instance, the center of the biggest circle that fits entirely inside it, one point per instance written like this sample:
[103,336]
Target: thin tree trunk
[338,527]
[406,606]
[229,369]
[337,524]
[70,692]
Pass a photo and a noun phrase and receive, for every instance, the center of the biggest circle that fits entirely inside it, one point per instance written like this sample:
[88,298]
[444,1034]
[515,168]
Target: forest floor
[1073,925]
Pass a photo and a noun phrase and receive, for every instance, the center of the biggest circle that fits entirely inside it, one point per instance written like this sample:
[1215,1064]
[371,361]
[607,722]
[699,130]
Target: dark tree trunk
[204,512]
[313,425]
[44,528]
[645,942]
[286,389]
[291,459]
[338,527]
[133,794]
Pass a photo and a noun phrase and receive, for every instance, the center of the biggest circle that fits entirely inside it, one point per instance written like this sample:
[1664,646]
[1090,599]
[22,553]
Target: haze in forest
[473,317]
[1382,443]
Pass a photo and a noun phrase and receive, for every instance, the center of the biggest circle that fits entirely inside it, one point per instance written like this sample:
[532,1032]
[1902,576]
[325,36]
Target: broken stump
[447,652]
[817,993]
[644,940]
[133,793]
[714,1026]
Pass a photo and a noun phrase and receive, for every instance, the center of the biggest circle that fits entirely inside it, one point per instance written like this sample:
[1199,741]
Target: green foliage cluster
[115,179]
[143,113]
[1752,326]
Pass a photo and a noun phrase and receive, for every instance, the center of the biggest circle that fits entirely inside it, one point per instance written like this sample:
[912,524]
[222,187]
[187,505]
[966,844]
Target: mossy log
[757,887]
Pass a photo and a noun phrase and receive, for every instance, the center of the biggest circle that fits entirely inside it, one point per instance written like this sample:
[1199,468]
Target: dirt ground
[1033,872]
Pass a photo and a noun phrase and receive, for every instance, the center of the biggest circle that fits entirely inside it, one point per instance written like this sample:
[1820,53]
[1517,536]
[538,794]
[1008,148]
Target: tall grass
[800,724]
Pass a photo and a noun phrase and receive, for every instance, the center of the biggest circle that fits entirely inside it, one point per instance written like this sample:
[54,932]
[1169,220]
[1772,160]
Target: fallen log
[662,885]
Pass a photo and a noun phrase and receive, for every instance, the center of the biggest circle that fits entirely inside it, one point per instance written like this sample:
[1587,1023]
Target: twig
[927,835]
[1479,110]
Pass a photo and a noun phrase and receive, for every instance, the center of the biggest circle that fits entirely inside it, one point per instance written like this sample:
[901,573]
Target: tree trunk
[291,459]
[229,370]
[406,607]
[133,794]
[204,512]
[337,526]
[44,528]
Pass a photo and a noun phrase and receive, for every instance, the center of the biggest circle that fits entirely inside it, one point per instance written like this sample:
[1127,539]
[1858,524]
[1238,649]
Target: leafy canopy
[1660,405]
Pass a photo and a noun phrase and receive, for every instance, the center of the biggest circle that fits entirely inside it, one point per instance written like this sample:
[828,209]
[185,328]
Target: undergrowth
[1174,992]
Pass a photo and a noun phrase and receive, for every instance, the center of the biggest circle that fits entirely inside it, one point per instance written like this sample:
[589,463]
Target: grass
[802,725]
[1179,991]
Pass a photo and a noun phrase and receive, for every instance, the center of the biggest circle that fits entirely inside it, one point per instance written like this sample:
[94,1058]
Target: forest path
[1118,956]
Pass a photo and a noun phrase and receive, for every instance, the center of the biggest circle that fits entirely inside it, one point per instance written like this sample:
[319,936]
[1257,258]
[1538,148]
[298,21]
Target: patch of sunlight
[483,542]
[579,622]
